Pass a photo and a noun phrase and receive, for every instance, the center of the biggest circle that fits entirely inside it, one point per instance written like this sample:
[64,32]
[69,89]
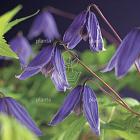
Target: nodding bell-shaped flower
[80,98]
[127,54]
[12,108]
[22,48]
[44,23]
[49,61]
[85,26]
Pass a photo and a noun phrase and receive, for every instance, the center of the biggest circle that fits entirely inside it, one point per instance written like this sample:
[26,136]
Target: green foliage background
[42,100]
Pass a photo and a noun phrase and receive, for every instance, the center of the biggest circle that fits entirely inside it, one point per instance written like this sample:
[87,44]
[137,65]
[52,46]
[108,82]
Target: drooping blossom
[50,62]
[22,48]
[11,107]
[44,23]
[84,27]
[126,55]
[80,98]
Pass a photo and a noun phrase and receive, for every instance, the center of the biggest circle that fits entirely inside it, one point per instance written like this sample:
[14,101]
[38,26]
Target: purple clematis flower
[22,48]
[44,23]
[50,62]
[80,98]
[85,26]
[127,54]
[12,108]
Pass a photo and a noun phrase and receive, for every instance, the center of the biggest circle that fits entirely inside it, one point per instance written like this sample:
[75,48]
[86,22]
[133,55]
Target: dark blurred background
[122,14]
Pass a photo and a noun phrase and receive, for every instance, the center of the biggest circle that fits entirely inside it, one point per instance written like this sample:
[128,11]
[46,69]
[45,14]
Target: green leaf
[15,22]
[61,136]
[13,130]
[5,50]
[127,136]
[5,18]
[105,56]
[129,124]
[74,129]
[131,101]
[113,125]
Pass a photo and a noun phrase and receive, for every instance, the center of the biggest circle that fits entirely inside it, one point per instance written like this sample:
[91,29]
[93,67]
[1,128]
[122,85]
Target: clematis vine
[12,108]
[44,23]
[80,98]
[127,54]
[50,62]
[84,27]
[22,48]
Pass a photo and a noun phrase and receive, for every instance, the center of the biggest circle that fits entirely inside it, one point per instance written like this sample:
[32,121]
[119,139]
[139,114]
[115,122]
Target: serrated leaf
[5,18]
[5,49]
[74,129]
[10,14]
[15,22]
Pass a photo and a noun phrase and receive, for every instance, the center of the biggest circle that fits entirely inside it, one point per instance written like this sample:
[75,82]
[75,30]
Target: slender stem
[111,115]
[110,37]
[94,74]
[103,122]
[103,134]
[109,25]
[71,16]
[101,80]
[106,21]
[104,32]
[107,93]
[118,98]
[118,101]
[60,12]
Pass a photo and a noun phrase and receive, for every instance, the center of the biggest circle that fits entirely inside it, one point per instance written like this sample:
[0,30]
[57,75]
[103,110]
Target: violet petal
[60,68]
[48,69]
[17,111]
[73,35]
[90,107]
[137,62]
[78,108]
[50,28]
[68,105]
[3,106]
[111,64]
[94,32]
[44,23]
[22,48]
[37,27]
[58,81]
[37,63]
[129,52]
